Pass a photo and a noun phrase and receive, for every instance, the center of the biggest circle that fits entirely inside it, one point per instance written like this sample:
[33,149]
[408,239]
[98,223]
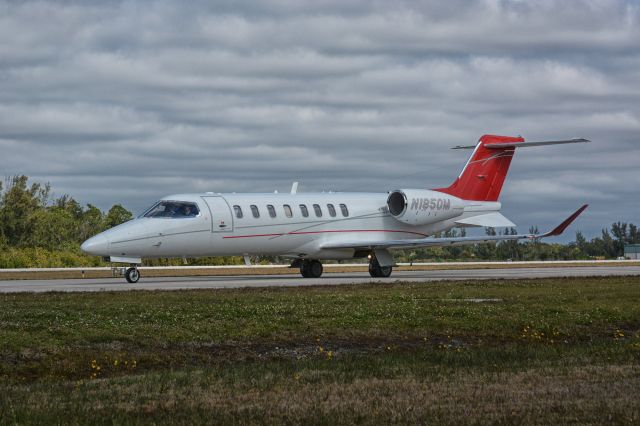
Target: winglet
[560,228]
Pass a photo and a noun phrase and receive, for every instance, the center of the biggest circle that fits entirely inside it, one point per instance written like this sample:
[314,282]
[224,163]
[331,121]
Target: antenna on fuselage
[294,188]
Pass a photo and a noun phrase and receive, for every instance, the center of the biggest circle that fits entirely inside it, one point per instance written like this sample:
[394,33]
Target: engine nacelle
[422,207]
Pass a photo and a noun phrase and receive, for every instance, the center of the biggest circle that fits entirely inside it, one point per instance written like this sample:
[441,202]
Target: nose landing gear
[132,274]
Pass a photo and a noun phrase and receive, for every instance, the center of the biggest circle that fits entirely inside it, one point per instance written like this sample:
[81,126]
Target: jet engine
[423,207]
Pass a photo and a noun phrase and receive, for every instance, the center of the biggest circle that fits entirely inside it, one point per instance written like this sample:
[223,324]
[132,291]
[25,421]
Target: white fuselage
[219,229]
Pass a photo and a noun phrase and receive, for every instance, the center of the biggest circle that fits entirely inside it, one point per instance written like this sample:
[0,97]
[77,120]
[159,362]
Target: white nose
[97,245]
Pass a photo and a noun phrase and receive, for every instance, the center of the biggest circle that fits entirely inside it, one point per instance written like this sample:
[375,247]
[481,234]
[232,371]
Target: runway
[245,281]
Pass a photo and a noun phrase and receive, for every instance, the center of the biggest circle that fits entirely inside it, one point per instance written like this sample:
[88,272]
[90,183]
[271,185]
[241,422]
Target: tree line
[37,230]
[29,217]
[608,245]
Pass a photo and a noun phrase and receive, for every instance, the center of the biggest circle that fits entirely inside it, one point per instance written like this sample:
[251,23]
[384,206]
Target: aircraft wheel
[315,269]
[304,268]
[377,271]
[132,275]
[311,268]
[386,271]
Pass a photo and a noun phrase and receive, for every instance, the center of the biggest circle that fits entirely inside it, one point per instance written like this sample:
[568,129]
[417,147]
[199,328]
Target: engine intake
[397,203]
[422,207]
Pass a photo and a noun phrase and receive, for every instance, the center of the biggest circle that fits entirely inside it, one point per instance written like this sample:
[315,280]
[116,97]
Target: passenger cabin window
[344,209]
[255,211]
[287,210]
[304,211]
[272,210]
[332,210]
[318,210]
[238,211]
[173,210]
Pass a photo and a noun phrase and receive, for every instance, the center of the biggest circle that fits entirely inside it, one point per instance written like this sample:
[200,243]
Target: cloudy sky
[124,102]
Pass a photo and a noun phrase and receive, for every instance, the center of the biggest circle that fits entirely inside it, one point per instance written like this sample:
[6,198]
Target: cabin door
[221,218]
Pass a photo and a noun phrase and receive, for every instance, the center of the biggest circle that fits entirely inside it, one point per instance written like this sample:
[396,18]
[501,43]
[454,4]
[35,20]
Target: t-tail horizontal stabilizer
[498,145]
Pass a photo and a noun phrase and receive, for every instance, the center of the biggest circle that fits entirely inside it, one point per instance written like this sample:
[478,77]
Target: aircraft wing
[450,241]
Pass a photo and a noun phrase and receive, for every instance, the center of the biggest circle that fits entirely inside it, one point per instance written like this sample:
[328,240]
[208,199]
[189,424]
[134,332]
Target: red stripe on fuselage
[324,232]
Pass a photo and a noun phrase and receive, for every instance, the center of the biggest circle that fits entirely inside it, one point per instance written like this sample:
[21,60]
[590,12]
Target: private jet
[308,228]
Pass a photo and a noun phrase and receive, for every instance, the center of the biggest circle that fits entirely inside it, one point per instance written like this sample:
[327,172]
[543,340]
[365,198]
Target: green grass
[541,351]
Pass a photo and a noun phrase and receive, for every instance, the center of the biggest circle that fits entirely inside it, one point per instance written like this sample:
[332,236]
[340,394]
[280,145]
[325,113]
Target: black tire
[385,271]
[132,275]
[377,271]
[373,271]
[304,269]
[315,269]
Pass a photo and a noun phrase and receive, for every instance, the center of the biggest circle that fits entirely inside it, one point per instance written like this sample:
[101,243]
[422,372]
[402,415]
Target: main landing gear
[377,271]
[311,268]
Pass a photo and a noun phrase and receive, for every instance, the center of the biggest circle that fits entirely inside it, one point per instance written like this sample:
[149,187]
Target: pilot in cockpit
[187,211]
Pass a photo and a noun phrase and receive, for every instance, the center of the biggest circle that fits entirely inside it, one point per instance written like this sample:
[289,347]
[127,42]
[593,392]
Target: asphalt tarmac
[242,281]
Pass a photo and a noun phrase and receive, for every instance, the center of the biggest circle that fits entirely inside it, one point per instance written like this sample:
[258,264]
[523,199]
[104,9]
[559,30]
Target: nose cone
[97,245]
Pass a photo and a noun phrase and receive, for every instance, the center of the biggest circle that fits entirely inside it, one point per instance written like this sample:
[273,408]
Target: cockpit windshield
[173,210]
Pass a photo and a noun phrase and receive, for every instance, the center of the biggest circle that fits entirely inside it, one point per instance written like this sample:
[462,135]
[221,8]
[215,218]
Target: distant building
[632,251]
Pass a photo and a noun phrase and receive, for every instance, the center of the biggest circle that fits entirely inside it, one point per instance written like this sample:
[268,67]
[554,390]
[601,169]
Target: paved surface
[182,283]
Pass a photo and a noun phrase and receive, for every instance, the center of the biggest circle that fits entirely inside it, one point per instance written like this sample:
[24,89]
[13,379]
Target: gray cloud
[129,101]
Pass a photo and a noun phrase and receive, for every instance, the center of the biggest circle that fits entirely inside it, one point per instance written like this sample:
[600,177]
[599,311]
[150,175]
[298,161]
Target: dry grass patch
[592,394]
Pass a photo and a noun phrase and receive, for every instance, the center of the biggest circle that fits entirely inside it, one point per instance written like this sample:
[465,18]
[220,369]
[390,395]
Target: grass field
[529,351]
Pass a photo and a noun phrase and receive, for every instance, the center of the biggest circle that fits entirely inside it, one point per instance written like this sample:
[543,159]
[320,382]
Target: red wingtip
[560,228]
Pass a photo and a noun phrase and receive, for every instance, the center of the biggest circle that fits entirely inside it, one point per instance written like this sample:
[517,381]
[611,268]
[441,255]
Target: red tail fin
[483,175]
